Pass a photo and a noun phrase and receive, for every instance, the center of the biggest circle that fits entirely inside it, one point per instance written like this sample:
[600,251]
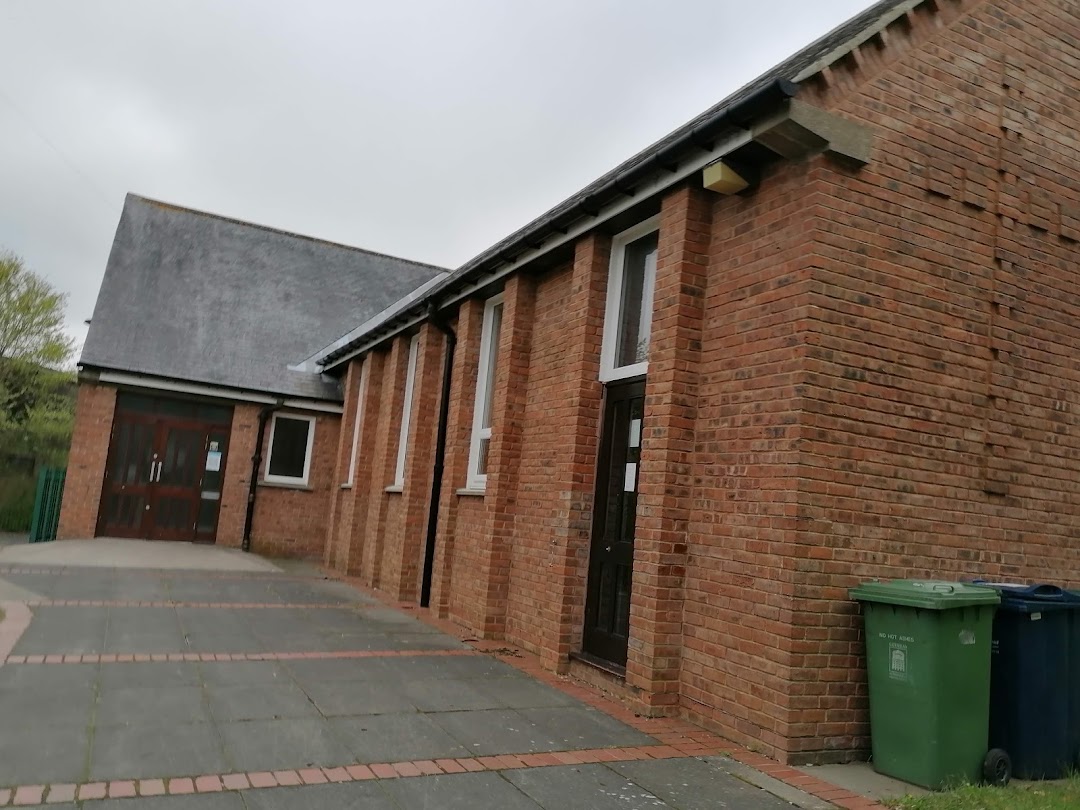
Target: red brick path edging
[143,658]
[123,603]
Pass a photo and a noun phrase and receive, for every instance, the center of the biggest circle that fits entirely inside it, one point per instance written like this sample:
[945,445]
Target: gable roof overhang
[759,122]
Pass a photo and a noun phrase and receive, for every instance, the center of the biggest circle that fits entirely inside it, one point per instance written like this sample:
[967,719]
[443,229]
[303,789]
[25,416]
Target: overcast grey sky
[419,128]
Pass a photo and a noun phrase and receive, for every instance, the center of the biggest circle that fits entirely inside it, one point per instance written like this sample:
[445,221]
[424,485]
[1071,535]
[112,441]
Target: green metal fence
[50,492]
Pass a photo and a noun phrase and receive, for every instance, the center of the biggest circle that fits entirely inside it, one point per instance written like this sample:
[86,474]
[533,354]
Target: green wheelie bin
[928,663]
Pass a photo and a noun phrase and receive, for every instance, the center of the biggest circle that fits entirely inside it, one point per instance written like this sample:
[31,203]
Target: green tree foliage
[31,317]
[37,392]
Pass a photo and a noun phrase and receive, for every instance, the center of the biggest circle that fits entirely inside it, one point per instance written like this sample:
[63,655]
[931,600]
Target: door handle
[155,479]
[160,464]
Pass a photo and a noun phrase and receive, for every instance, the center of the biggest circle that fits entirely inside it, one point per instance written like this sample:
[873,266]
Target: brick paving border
[24,795]
[123,603]
[143,658]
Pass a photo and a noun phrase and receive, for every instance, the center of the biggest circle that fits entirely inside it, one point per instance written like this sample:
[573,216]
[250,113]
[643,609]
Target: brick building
[857,360]
[192,378]
[824,332]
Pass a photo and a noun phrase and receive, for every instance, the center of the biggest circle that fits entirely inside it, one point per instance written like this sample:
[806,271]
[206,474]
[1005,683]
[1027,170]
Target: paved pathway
[201,689]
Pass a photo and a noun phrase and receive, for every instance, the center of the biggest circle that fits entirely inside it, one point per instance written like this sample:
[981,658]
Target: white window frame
[485,387]
[609,372]
[288,479]
[358,425]
[406,413]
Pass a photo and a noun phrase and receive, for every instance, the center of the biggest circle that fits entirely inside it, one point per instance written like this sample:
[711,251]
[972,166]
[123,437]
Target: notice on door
[213,461]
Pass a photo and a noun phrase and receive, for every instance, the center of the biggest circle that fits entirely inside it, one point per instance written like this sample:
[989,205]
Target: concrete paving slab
[162,706]
[396,738]
[591,786]
[450,695]
[583,727]
[155,673]
[12,592]
[692,784]
[33,704]
[49,679]
[789,794]
[206,801]
[344,698]
[359,795]
[497,731]
[259,702]
[144,750]
[861,778]
[243,673]
[61,630]
[108,552]
[464,791]
[345,669]
[526,693]
[259,745]
[43,753]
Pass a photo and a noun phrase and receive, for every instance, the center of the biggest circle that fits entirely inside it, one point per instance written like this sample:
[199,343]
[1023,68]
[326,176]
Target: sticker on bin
[898,662]
[967,637]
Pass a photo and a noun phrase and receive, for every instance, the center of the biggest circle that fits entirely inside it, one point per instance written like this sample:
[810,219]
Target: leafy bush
[16,503]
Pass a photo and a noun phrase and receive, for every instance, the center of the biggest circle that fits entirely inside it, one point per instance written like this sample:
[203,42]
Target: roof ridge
[281,231]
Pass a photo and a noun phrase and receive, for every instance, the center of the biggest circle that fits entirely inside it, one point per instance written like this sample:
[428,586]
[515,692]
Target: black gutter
[439,321]
[256,462]
[734,113]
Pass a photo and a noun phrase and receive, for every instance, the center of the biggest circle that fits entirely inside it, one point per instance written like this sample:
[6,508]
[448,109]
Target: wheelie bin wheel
[997,768]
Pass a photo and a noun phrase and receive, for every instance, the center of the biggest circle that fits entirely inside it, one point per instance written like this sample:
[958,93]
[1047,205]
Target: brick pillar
[575,467]
[666,478]
[462,392]
[508,411]
[355,539]
[340,498]
[404,568]
[94,408]
[383,458]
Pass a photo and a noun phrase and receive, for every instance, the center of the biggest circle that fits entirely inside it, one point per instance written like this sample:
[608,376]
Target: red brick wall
[86,462]
[941,387]
[289,521]
[854,375]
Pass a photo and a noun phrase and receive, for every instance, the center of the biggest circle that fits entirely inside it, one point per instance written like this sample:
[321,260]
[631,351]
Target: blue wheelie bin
[1035,679]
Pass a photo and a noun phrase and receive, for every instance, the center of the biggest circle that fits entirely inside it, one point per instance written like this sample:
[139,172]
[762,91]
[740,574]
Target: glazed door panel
[611,558]
[165,470]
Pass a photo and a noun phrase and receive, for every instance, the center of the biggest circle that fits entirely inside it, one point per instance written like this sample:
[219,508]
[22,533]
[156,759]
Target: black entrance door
[165,469]
[611,559]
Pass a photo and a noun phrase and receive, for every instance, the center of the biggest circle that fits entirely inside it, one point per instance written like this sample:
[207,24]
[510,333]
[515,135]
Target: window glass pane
[492,360]
[290,447]
[482,457]
[635,308]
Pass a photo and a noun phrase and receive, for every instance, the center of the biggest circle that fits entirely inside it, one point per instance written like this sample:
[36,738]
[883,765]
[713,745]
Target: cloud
[424,129]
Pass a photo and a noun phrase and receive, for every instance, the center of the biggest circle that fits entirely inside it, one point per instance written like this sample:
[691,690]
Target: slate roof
[651,161]
[198,297]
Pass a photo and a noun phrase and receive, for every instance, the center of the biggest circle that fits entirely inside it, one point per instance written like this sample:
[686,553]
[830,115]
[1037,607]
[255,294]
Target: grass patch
[1059,795]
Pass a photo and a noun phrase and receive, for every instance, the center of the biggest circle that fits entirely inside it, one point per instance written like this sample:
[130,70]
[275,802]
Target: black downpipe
[256,463]
[440,454]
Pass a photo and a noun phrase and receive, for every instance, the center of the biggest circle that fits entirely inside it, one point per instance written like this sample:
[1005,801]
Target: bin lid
[925,593]
[1032,598]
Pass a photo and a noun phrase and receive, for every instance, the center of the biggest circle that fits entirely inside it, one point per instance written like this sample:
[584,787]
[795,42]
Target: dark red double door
[165,469]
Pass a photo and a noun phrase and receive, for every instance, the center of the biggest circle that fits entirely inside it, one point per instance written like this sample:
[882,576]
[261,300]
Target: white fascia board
[728,145]
[177,387]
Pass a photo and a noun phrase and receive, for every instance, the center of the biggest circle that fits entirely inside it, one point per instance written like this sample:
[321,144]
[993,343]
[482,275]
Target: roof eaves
[739,110]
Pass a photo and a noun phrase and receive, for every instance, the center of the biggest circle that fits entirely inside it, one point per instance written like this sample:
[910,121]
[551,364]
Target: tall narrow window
[289,458]
[358,426]
[406,413]
[628,317]
[485,393]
